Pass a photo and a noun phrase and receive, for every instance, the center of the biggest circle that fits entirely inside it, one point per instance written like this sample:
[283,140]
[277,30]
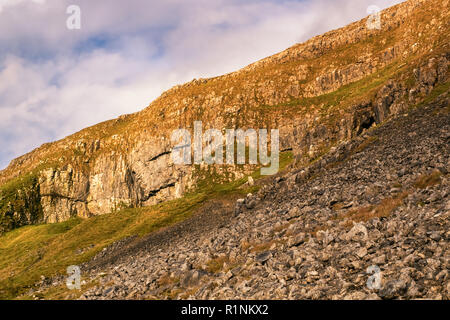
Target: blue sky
[55,81]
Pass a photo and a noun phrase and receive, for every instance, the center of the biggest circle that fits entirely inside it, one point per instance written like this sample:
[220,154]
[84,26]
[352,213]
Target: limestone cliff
[318,93]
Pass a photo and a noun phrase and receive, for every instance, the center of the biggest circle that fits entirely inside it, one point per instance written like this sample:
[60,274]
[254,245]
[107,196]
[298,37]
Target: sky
[54,81]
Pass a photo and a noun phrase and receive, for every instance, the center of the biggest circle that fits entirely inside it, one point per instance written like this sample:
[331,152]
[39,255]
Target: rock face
[369,220]
[320,93]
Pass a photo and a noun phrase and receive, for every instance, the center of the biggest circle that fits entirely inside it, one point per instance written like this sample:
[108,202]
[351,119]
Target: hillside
[318,93]
[381,200]
[364,126]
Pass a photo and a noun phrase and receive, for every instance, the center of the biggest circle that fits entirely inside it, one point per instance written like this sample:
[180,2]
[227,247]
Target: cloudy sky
[55,81]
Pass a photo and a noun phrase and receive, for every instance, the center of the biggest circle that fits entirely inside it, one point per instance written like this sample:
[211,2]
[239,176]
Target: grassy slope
[27,253]
[329,106]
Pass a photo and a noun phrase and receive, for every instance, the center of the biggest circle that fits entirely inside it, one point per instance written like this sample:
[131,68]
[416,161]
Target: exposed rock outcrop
[327,90]
[378,206]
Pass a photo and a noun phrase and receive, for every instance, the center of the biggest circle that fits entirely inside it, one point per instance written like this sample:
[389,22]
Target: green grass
[19,202]
[358,89]
[31,251]
[28,252]
[435,93]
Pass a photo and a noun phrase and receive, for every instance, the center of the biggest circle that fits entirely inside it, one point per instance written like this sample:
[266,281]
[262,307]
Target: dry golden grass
[221,264]
[216,265]
[171,294]
[189,292]
[259,247]
[383,209]
[166,280]
[338,206]
[245,245]
[428,180]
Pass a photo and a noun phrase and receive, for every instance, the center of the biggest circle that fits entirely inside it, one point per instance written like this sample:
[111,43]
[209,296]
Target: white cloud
[11,3]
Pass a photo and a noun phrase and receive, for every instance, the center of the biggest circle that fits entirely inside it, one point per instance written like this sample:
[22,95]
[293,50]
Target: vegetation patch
[428,180]
[220,264]
[20,202]
[28,252]
[435,93]
[383,209]
[259,247]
